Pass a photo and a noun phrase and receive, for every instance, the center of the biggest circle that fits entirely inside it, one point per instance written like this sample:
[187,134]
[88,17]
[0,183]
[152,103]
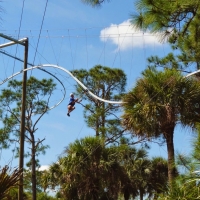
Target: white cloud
[44,167]
[125,36]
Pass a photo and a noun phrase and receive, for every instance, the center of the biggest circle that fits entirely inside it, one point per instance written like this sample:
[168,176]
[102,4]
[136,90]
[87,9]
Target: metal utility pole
[22,125]
[23,42]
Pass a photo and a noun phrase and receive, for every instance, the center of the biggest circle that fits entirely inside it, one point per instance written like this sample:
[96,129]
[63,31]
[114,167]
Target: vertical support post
[22,125]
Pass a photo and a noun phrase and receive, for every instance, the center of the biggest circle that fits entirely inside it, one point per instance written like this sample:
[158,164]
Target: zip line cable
[54,66]
[64,77]
[79,28]
[83,29]
[8,78]
[46,59]
[68,72]
[80,83]
[110,35]
[57,62]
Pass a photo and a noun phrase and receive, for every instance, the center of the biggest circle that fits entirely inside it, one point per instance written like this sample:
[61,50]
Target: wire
[40,30]
[81,84]
[71,50]
[53,49]
[119,44]
[86,49]
[83,28]
[131,61]
[144,49]
[103,50]
[61,45]
[13,75]
[20,23]
[110,35]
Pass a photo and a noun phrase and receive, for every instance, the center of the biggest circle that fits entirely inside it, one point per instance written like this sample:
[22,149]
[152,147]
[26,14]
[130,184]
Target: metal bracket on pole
[13,42]
[12,39]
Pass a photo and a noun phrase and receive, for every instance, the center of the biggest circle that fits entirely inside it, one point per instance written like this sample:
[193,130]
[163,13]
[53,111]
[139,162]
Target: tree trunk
[141,194]
[170,150]
[33,166]
[103,114]
[97,123]
[97,128]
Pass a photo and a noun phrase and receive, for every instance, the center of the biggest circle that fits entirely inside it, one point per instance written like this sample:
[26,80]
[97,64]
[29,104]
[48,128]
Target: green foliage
[187,184]
[166,17]
[40,187]
[8,182]
[161,97]
[38,94]
[170,61]
[196,146]
[182,191]
[174,20]
[107,83]
[89,170]
[94,3]
[44,196]
[159,101]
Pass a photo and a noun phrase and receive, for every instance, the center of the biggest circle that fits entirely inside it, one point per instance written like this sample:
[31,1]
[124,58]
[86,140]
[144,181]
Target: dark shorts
[71,104]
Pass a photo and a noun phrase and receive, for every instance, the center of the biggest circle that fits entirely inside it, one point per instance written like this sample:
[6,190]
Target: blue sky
[75,35]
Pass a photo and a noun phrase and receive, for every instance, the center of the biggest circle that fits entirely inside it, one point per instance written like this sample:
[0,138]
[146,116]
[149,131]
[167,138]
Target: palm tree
[88,170]
[140,175]
[187,184]
[158,177]
[136,163]
[8,181]
[159,101]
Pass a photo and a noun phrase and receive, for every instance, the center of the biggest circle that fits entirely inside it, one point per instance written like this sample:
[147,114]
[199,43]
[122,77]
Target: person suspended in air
[71,104]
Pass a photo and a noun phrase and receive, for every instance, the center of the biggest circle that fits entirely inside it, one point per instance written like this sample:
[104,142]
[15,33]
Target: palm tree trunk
[170,150]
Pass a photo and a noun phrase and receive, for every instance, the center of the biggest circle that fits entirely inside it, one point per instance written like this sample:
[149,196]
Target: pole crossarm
[14,40]
[11,43]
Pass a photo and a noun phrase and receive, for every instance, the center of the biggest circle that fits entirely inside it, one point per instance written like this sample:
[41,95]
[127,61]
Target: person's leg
[70,109]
